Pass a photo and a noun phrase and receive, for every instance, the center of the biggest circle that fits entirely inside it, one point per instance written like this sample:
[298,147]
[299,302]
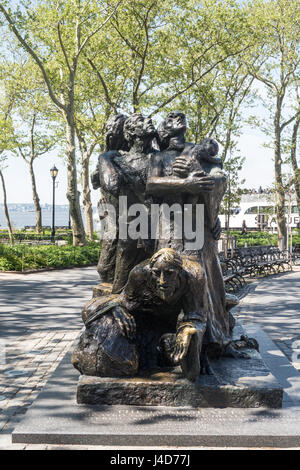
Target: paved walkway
[40,318]
[274,304]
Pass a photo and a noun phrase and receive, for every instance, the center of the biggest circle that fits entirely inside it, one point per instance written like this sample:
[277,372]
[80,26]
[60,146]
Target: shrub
[24,257]
[259,238]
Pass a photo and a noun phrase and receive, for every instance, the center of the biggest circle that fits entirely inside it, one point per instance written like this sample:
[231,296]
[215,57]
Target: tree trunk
[72,192]
[296,169]
[228,214]
[87,203]
[10,233]
[36,200]
[85,183]
[280,193]
[227,142]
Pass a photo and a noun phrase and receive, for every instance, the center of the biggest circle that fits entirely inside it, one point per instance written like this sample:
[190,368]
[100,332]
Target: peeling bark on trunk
[280,193]
[85,183]
[10,233]
[72,192]
[87,203]
[296,169]
[36,200]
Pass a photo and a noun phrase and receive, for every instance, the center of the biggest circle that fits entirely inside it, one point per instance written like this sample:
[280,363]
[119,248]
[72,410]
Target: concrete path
[44,301]
[40,317]
[274,304]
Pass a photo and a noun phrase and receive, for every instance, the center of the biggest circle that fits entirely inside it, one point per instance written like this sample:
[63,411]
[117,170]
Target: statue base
[237,383]
[56,419]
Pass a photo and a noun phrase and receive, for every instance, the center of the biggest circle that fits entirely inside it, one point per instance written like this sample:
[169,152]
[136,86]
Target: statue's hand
[182,343]
[126,322]
[198,184]
[216,231]
[181,167]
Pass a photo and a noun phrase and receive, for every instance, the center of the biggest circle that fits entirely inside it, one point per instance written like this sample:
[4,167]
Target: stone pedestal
[171,389]
[237,383]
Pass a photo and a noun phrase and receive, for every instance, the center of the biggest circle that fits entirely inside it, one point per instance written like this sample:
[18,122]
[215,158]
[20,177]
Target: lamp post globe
[53,173]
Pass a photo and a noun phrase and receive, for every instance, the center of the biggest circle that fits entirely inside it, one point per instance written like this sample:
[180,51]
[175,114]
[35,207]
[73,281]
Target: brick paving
[40,317]
[30,361]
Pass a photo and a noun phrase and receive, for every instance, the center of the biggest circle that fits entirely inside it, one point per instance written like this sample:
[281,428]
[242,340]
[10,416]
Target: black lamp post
[53,172]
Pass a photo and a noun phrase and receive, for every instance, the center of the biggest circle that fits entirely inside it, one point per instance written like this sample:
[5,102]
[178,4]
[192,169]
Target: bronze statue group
[164,304]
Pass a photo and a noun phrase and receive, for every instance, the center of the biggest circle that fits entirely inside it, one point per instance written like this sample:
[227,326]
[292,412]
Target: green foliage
[98,58]
[258,238]
[24,257]
[150,56]
[232,197]
[30,235]
[7,137]
[254,238]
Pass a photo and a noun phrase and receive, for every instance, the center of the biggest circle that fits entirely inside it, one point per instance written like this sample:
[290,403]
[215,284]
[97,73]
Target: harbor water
[24,215]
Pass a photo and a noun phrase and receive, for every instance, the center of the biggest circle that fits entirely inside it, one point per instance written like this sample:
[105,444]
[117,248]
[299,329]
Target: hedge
[23,257]
[259,238]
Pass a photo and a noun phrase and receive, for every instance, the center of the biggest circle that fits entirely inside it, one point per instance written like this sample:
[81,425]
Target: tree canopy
[90,59]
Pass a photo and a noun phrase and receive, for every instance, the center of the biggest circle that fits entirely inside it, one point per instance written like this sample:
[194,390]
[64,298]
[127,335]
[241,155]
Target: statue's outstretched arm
[172,184]
[158,184]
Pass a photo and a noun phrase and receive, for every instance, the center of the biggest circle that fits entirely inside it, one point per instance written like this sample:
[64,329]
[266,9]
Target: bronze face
[143,127]
[137,128]
[165,278]
[175,123]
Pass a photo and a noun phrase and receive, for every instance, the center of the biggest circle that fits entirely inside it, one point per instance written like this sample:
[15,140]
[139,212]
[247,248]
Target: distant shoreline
[22,215]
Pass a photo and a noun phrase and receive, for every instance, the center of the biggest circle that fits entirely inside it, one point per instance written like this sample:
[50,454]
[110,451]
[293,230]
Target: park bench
[253,262]
[232,273]
[266,260]
[296,251]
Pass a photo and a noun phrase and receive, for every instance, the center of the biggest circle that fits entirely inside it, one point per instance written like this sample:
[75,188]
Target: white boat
[258,212]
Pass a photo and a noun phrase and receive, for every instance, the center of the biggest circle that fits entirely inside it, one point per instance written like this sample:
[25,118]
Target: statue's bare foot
[231,351]
[251,343]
